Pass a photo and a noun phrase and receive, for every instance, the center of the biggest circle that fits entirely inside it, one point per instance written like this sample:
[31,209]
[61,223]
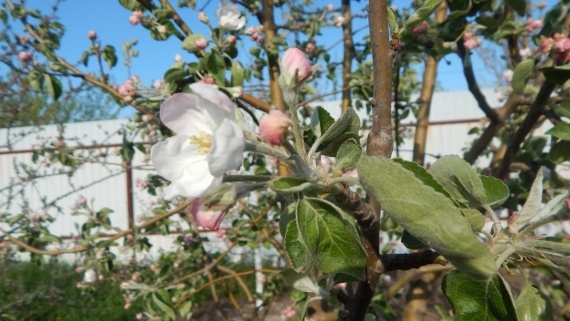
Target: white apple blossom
[230,17]
[208,142]
[89,276]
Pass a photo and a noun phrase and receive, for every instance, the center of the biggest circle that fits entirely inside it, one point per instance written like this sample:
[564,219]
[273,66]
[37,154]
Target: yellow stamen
[203,141]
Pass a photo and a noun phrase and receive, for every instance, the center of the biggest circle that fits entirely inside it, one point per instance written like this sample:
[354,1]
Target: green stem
[263,148]
[297,133]
[247,178]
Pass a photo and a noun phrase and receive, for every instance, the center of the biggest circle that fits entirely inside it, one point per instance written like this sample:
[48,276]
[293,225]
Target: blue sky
[110,21]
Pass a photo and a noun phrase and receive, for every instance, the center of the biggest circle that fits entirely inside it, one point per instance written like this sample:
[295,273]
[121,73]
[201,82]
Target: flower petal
[172,155]
[204,216]
[227,148]
[182,113]
[177,160]
[214,102]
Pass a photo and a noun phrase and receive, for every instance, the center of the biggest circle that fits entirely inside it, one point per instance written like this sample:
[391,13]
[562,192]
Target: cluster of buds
[127,90]
[92,35]
[532,25]
[136,17]
[254,33]
[558,46]
[25,56]
[469,42]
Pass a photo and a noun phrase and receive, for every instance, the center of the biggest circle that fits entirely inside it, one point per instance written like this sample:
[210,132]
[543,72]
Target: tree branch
[472,82]
[536,110]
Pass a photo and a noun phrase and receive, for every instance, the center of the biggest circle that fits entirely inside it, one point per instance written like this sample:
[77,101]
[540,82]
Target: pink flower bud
[330,7]
[232,39]
[207,217]
[146,118]
[546,45]
[203,18]
[25,56]
[161,29]
[127,99]
[208,80]
[295,68]
[91,35]
[36,64]
[310,47]
[177,58]
[421,28]
[273,126]
[472,43]
[136,17]
[467,36]
[562,45]
[201,43]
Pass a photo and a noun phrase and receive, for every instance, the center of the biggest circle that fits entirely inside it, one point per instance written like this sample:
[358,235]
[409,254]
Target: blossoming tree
[335,190]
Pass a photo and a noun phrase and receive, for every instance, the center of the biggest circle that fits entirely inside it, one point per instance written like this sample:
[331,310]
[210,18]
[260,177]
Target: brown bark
[348,51]
[426,95]
[428,86]
[270,30]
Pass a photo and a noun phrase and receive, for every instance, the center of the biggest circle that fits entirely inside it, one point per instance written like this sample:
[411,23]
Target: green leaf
[339,126]
[475,300]
[393,21]
[163,14]
[167,309]
[288,184]
[561,131]
[558,75]
[423,175]
[190,42]
[173,75]
[421,14]
[475,219]
[131,5]
[348,155]
[238,73]
[300,281]
[522,74]
[533,305]
[53,86]
[295,248]
[321,121]
[562,110]
[518,5]
[216,66]
[560,152]
[532,204]
[460,12]
[110,56]
[496,190]
[332,241]
[428,215]
[459,179]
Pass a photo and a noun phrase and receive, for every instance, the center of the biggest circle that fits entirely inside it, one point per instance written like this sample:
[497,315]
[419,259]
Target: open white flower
[230,17]
[208,142]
